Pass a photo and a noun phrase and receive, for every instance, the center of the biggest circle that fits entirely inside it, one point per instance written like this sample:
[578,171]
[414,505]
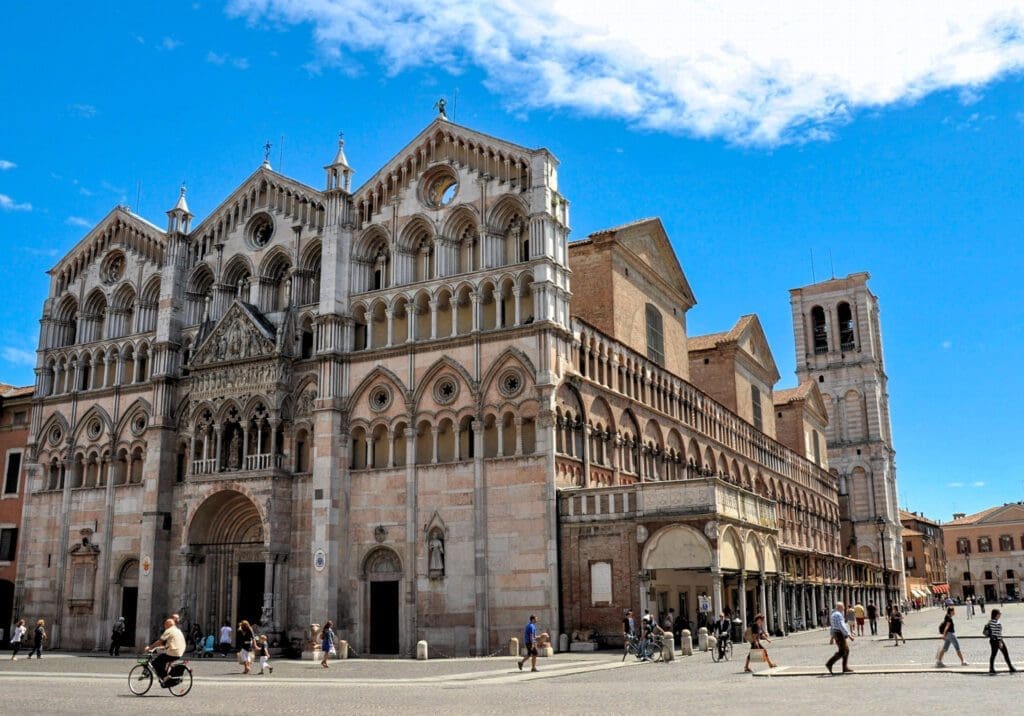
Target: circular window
[439,190]
[112,269]
[94,428]
[446,390]
[261,229]
[56,434]
[380,398]
[139,424]
[510,383]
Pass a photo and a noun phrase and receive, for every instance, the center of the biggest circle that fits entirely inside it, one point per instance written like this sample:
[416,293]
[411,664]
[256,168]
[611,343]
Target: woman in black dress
[759,635]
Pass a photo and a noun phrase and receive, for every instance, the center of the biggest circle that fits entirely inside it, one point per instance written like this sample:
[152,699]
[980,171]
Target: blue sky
[875,141]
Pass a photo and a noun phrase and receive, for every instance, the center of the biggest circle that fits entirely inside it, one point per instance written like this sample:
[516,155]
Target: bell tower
[838,338]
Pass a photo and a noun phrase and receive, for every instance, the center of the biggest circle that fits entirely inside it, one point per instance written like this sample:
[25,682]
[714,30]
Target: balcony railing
[263,461]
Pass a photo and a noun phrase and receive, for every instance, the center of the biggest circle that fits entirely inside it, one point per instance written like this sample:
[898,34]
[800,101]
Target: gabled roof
[648,242]
[1008,513]
[263,173]
[747,335]
[910,516]
[106,233]
[12,392]
[443,128]
[241,333]
[807,393]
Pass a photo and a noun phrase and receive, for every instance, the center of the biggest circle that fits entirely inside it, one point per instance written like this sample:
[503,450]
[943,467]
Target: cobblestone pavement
[887,677]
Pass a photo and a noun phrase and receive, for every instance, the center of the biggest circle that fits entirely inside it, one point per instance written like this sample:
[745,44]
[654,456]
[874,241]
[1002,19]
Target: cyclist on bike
[647,629]
[721,631]
[174,642]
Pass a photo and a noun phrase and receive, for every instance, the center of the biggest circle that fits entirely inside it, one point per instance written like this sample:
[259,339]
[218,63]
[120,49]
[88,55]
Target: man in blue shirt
[841,635]
[530,641]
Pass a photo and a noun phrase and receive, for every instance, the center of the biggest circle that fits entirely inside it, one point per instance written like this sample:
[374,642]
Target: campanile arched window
[819,331]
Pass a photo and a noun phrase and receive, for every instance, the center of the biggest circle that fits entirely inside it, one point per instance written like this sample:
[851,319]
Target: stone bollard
[342,650]
[712,643]
[563,643]
[702,639]
[668,647]
[513,647]
[686,643]
[421,650]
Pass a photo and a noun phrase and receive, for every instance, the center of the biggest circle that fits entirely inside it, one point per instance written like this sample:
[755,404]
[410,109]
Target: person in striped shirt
[994,629]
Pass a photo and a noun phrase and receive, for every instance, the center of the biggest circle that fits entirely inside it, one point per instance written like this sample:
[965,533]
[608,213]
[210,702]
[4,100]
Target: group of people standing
[38,637]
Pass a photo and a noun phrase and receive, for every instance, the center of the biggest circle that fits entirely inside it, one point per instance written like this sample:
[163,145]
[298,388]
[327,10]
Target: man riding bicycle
[174,642]
[721,630]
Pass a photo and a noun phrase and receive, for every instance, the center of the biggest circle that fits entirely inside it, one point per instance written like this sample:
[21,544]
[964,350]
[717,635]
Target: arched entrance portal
[678,558]
[382,572]
[128,594]
[226,562]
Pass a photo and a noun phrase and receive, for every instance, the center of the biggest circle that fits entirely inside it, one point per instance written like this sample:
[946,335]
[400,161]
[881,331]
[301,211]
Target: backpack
[987,631]
[748,635]
[942,627]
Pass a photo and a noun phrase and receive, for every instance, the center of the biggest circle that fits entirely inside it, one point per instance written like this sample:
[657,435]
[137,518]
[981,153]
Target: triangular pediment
[119,229]
[241,334]
[249,197]
[443,141]
[648,241]
[750,338]
[1003,515]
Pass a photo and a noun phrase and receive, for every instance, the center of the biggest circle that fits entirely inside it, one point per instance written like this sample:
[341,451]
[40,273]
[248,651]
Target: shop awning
[919,593]
[940,588]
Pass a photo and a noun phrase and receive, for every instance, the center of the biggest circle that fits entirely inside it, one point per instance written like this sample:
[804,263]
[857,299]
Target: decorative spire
[179,218]
[181,205]
[266,154]
[340,159]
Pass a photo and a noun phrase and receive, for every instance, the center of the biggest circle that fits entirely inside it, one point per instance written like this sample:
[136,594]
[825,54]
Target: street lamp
[880,523]
[967,554]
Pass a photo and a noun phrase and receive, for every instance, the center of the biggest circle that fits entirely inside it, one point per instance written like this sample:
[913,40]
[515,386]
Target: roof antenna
[455,102]
[832,264]
[813,279]
[280,156]
[138,195]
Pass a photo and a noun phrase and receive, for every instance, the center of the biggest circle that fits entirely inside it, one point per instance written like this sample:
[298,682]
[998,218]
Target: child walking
[263,651]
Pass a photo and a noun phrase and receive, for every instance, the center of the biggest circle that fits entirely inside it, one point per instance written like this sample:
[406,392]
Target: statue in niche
[235,452]
[435,550]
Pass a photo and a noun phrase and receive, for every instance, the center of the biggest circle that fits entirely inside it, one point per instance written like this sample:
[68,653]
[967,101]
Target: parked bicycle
[649,648]
[178,681]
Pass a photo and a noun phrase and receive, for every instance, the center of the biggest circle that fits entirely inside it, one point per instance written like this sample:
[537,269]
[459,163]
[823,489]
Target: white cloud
[83,110]
[946,345]
[9,204]
[78,221]
[979,483]
[754,73]
[955,484]
[239,63]
[18,356]
[6,165]
[169,43]
[969,96]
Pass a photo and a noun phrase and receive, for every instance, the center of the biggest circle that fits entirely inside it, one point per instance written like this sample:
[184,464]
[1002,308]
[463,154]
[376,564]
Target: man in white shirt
[841,634]
[174,643]
[225,639]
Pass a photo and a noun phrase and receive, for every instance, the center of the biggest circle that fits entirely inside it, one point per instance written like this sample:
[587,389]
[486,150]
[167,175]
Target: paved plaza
[900,678]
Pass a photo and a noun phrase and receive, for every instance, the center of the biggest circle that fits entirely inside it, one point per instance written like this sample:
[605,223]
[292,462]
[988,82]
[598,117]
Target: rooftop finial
[266,153]
[440,106]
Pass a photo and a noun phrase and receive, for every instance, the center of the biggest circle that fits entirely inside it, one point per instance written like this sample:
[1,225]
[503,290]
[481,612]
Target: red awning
[940,588]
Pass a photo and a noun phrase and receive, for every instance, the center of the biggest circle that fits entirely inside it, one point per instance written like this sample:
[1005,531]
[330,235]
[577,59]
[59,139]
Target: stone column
[474,307]
[517,293]
[780,605]
[743,596]
[390,315]
[769,607]
[433,318]
[434,431]
[716,591]
[762,598]
[480,616]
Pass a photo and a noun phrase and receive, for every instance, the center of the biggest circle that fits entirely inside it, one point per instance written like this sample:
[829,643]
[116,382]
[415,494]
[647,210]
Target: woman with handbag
[245,639]
[327,642]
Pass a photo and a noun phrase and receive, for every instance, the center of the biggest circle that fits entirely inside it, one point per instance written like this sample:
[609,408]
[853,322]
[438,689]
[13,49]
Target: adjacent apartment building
[15,408]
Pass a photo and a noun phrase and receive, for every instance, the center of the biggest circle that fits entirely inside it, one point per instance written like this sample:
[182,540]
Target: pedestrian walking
[244,639]
[859,614]
[38,637]
[896,626]
[116,636]
[263,652]
[994,631]
[530,642]
[888,617]
[873,618]
[842,636]
[16,637]
[758,634]
[327,642]
[981,603]
[970,608]
[948,631]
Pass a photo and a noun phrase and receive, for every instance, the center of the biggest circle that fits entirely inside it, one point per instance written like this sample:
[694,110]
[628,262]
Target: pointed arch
[96,411]
[442,364]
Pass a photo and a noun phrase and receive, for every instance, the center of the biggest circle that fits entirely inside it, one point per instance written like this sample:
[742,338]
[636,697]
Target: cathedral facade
[386,406]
